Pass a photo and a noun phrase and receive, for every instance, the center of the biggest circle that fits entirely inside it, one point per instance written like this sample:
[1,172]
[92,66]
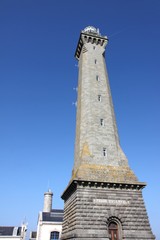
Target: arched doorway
[113,230]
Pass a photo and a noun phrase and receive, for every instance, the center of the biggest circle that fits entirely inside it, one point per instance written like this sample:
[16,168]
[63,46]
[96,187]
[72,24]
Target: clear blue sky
[37,75]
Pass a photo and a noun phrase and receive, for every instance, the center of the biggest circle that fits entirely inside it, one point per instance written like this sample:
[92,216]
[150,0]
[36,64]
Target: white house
[49,221]
[13,233]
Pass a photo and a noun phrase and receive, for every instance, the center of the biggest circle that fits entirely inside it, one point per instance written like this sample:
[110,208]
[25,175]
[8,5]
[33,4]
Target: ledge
[89,37]
[107,185]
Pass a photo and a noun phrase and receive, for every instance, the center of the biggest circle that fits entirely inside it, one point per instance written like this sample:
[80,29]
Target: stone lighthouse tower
[104,197]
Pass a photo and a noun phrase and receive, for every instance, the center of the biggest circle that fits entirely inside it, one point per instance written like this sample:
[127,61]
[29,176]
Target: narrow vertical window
[99,98]
[95,61]
[102,122]
[97,77]
[104,152]
[94,47]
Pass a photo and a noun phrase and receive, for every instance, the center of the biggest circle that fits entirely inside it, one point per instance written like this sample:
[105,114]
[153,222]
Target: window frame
[102,122]
[97,78]
[54,237]
[99,98]
[104,152]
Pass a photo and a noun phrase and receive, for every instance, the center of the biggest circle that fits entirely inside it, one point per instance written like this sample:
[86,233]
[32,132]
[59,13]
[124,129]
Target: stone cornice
[92,38]
[110,185]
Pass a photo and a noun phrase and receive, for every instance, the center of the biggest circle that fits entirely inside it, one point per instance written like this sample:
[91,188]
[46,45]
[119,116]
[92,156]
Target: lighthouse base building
[104,197]
[105,210]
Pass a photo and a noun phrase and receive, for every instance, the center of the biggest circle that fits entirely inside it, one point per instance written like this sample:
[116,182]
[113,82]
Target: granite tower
[104,197]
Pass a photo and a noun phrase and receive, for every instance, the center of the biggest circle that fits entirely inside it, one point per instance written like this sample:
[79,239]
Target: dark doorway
[113,230]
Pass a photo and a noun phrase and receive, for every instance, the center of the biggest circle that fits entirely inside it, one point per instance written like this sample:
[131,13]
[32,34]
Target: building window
[99,98]
[97,77]
[102,122]
[94,47]
[104,152]
[95,61]
[54,235]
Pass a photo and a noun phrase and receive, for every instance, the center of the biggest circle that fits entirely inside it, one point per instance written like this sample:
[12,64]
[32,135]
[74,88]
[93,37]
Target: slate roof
[8,231]
[56,215]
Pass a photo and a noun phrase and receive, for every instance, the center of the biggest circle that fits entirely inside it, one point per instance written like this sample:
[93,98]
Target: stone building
[49,225]
[13,233]
[103,199]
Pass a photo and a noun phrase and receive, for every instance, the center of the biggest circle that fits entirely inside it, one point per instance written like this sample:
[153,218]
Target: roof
[10,231]
[56,215]
[57,210]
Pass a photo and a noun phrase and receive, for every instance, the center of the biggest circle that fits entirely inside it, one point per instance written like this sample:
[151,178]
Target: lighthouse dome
[91,29]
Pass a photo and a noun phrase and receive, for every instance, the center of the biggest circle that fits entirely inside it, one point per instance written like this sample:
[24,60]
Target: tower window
[94,47]
[102,122]
[97,77]
[99,98]
[104,152]
[95,61]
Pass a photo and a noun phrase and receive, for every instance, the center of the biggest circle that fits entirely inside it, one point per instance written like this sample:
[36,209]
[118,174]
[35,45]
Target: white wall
[45,228]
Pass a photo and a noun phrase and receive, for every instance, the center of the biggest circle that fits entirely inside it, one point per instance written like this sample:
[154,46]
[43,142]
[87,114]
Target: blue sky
[37,75]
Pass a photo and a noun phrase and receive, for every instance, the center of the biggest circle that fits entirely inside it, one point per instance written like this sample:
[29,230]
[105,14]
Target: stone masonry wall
[90,209]
[92,136]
